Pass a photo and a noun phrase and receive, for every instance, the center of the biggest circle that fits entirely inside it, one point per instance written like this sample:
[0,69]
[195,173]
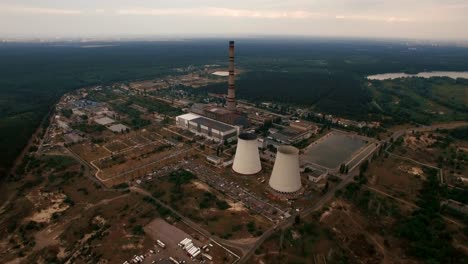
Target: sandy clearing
[236,206]
[201,185]
[56,206]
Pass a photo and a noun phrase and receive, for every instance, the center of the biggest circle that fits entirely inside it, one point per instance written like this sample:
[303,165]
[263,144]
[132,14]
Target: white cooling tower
[285,177]
[247,159]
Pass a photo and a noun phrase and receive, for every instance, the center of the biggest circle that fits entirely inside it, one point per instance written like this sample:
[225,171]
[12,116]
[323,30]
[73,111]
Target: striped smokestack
[231,97]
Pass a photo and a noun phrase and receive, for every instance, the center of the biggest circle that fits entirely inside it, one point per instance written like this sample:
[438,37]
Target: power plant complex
[218,162]
[225,124]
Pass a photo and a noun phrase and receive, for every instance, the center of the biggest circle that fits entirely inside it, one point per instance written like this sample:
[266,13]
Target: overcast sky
[426,19]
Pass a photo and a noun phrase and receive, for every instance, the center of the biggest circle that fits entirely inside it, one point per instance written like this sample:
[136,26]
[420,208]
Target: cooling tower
[247,159]
[231,96]
[285,177]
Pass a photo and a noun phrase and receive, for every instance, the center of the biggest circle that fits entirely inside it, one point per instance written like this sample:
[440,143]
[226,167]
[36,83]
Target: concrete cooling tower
[285,177]
[247,159]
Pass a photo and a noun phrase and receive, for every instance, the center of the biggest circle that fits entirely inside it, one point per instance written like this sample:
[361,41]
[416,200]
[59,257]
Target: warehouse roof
[212,124]
[189,116]
[118,128]
[104,120]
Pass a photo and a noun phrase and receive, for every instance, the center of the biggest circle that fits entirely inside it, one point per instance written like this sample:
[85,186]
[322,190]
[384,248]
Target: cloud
[219,12]
[390,19]
[37,10]
[246,13]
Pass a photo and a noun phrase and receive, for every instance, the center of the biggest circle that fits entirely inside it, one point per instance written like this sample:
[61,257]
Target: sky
[413,19]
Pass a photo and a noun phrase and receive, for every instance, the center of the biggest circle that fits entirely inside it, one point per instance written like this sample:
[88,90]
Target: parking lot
[238,193]
[231,189]
[170,236]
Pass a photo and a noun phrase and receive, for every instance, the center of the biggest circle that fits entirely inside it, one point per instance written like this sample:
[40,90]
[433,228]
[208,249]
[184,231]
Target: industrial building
[314,174]
[303,125]
[285,177]
[118,128]
[290,135]
[207,128]
[247,158]
[104,121]
[220,114]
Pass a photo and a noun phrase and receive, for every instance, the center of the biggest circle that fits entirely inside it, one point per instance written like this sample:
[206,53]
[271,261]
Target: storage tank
[285,177]
[247,158]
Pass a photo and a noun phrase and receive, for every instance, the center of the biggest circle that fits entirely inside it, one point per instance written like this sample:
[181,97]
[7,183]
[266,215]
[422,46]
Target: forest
[328,74]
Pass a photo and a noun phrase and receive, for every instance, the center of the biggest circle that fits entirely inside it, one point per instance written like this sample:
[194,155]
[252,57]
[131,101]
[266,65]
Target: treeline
[459,133]
[335,93]
[425,229]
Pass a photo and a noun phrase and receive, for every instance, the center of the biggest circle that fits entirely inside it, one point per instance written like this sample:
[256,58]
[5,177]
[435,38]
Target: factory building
[290,135]
[303,125]
[234,118]
[314,174]
[207,128]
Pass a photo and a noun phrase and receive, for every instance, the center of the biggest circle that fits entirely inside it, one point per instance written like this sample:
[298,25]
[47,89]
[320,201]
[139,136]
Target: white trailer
[192,251]
[184,242]
[161,244]
[207,256]
[173,260]
[194,255]
[189,245]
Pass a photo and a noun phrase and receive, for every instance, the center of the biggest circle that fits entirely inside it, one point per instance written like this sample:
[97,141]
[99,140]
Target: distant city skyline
[418,19]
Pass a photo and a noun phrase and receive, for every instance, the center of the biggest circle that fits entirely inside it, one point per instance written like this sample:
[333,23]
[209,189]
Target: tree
[364,166]
[297,220]
[342,168]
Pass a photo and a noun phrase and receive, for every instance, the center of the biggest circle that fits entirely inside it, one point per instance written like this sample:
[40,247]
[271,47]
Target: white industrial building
[316,175]
[118,128]
[285,177]
[206,127]
[104,120]
[247,158]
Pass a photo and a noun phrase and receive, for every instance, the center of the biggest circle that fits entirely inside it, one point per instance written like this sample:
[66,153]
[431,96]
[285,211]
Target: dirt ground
[397,177]
[89,151]
[360,237]
[73,218]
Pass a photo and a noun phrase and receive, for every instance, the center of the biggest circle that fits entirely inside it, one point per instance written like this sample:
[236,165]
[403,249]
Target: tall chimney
[231,97]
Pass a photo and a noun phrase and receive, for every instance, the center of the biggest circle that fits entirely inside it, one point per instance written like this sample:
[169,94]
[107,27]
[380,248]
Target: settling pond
[333,149]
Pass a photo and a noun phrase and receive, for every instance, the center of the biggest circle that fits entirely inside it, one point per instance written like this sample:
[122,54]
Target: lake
[450,74]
